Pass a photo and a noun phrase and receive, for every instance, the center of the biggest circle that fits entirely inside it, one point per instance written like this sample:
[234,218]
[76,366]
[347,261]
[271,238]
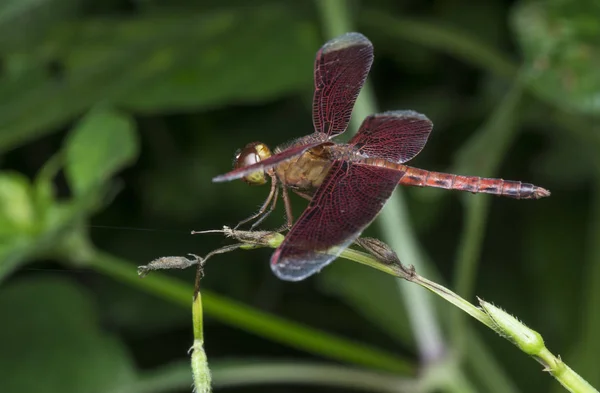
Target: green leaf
[267,57]
[560,44]
[43,186]
[100,145]
[370,293]
[52,340]
[159,63]
[19,221]
[22,21]
[33,222]
[17,213]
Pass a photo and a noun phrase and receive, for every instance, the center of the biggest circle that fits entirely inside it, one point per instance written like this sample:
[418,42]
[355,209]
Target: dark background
[115,115]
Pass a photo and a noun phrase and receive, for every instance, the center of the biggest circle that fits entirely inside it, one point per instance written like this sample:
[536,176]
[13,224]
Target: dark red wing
[341,68]
[270,162]
[397,136]
[348,200]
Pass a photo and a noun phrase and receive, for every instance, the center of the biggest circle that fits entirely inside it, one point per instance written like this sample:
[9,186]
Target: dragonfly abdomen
[508,188]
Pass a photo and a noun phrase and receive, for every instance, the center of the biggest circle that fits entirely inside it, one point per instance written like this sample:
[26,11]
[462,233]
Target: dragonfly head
[251,154]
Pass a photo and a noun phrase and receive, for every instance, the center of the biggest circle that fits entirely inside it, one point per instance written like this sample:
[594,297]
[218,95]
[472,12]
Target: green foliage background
[115,115]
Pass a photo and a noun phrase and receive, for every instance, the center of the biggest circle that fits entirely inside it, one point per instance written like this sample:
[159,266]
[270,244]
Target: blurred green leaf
[16,208]
[43,185]
[101,144]
[272,59]
[560,44]
[33,222]
[370,293]
[71,353]
[22,21]
[17,220]
[161,63]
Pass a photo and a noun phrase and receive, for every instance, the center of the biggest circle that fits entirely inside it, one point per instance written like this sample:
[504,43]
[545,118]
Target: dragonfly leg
[308,197]
[288,211]
[266,213]
[263,208]
[288,208]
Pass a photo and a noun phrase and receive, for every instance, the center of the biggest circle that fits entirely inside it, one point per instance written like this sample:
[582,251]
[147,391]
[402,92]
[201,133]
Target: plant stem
[260,323]
[532,343]
[200,370]
[568,378]
[231,374]
[526,339]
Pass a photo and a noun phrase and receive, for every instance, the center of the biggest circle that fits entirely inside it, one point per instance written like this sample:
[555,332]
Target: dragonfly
[347,184]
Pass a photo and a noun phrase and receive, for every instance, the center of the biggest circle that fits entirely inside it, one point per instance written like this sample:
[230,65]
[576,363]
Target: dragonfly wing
[347,201]
[341,67]
[396,136]
[270,162]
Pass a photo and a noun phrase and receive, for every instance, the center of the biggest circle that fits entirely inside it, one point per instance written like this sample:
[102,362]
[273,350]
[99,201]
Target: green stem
[200,370]
[532,343]
[394,219]
[526,339]
[563,373]
[244,373]
[198,318]
[260,323]
[231,374]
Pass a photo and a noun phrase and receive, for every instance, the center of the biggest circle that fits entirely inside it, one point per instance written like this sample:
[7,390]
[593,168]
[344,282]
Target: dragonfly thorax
[251,154]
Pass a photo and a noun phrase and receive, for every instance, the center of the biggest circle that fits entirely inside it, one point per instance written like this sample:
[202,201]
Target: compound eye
[251,154]
[248,156]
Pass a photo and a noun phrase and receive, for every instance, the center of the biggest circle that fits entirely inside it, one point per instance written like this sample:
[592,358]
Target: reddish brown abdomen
[508,188]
